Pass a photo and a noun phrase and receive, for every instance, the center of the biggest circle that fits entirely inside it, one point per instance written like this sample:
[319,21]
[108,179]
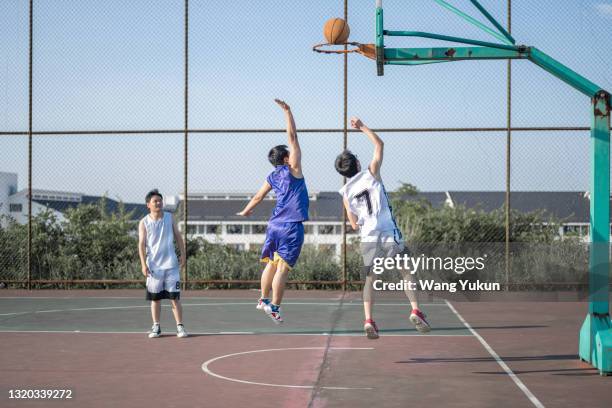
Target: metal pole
[599,262]
[595,345]
[380,40]
[30,145]
[508,151]
[186,139]
[344,146]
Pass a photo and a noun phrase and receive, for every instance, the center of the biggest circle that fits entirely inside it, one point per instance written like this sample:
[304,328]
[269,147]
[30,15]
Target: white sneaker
[261,303]
[371,329]
[274,313]
[419,320]
[155,331]
[180,331]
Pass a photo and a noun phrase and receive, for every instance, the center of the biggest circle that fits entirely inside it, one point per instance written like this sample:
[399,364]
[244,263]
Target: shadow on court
[479,359]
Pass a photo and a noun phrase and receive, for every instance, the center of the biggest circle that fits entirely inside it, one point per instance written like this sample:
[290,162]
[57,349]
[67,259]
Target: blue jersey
[291,196]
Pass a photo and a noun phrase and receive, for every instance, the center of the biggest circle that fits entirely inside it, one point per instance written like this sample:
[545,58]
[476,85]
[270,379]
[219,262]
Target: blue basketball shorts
[283,242]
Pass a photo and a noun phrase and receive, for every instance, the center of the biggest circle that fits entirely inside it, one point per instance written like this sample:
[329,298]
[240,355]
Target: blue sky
[119,65]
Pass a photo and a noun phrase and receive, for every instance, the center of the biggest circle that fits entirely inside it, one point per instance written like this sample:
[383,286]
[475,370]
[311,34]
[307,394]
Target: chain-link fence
[103,101]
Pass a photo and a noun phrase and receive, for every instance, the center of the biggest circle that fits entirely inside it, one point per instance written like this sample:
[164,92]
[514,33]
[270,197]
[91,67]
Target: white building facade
[212,217]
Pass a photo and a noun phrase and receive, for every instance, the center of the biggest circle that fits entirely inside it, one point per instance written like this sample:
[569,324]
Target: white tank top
[160,243]
[368,200]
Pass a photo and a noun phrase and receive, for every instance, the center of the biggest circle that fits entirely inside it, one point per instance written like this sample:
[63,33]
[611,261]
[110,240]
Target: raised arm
[295,152]
[257,198]
[379,146]
[142,236]
[180,243]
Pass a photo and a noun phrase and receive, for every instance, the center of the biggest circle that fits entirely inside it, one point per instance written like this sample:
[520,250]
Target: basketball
[336,31]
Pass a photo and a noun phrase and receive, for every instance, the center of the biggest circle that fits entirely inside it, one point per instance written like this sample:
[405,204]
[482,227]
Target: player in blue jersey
[285,232]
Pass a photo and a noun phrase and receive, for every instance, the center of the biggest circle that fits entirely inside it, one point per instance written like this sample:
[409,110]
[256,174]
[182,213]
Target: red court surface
[513,354]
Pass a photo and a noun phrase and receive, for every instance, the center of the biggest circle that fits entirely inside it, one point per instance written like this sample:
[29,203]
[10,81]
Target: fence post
[345,144]
[186,139]
[508,152]
[30,52]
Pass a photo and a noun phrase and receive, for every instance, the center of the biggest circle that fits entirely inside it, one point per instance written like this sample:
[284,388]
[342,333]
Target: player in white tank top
[160,242]
[156,235]
[368,209]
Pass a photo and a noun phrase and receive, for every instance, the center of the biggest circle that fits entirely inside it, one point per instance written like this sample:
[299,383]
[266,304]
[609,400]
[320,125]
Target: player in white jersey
[368,209]
[156,235]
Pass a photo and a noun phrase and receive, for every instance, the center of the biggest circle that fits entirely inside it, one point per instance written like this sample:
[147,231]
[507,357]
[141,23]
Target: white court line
[210,372]
[97,332]
[132,297]
[536,402]
[360,334]
[185,299]
[14,313]
[230,333]
[117,307]
[203,304]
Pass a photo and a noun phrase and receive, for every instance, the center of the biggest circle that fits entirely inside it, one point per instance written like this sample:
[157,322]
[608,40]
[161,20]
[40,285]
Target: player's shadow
[511,327]
[172,337]
[332,332]
[569,372]
[574,372]
[200,335]
[549,357]
[390,330]
[339,331]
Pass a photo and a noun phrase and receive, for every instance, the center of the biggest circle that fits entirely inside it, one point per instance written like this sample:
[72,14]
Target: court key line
[202,304]
[534,400]
[208,371]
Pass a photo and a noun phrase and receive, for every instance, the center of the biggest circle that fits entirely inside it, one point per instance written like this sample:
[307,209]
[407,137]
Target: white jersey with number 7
[368,200]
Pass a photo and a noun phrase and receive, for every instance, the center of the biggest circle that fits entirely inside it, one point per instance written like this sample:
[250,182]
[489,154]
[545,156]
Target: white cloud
[604,9]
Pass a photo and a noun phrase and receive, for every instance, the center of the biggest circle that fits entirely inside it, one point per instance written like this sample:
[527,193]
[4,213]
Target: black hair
[277,155]
[346,164]
[150,194]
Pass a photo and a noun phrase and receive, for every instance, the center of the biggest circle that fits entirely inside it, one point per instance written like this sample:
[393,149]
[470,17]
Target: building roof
[326,207]
[569,206]
[436,199]
[112,206]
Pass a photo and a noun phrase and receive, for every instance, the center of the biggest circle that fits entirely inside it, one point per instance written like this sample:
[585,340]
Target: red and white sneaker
[418,319]
[274,313]
[371,330]
[261,303]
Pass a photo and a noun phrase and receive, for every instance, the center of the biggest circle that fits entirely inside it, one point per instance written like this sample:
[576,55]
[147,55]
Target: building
[8,188]
[570,207]
[14,204]
[212,216]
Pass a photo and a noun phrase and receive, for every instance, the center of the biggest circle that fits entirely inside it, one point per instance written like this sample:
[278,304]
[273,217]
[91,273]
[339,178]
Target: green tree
[13,249]
[104,243]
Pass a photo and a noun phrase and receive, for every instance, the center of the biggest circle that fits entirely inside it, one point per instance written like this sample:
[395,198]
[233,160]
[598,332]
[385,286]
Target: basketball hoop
[367,50]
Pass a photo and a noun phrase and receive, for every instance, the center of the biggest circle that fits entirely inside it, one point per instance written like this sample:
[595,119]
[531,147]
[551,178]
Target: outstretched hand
[244,213]
[282,104]
[356,123]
